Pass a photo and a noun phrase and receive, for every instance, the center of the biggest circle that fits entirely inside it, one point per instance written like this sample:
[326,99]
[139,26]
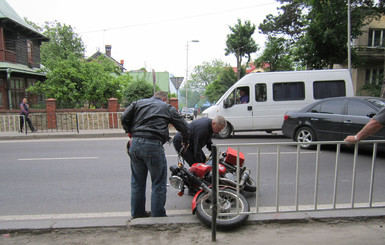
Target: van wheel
[226,132]
[305,135]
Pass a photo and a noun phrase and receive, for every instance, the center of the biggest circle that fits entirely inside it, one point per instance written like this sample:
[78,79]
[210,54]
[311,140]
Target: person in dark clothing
[147,121]
[201,132]
[24,113]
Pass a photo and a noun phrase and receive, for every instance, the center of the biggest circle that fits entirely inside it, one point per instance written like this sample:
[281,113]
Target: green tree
[240,43]
[277,54]
[319,28]
[137,89]
[205,74]
[226,79]
[63,44]
[71,80]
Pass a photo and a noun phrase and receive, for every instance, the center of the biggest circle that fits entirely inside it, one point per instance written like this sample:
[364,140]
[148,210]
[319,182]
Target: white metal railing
[328,190]
[10,123]
[65,121]
[99,120]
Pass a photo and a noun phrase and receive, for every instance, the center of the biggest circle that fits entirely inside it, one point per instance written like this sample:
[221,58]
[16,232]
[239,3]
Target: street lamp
[193,41]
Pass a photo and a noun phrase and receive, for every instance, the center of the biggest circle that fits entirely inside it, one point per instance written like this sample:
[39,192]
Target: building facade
[19,58]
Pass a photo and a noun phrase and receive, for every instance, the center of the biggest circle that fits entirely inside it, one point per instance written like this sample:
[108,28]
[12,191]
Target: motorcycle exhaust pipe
[244,177]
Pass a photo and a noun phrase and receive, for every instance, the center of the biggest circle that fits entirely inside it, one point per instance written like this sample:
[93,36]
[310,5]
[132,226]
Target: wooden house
[19,58]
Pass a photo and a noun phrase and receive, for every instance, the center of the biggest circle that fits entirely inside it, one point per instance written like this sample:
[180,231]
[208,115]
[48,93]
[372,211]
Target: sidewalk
[359,226]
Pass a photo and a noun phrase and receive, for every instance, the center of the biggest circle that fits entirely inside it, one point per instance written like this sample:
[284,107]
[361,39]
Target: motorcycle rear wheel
[227,203]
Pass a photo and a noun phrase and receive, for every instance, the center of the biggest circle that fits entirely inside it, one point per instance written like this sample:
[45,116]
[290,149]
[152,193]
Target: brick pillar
[113,112]
[174,103]
[51,113]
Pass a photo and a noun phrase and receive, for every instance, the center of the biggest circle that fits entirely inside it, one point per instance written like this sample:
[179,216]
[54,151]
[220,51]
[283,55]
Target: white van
[272,94]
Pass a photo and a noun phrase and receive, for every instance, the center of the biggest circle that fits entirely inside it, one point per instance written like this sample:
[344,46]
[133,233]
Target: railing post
[214,193]
[51,113]
[112,111]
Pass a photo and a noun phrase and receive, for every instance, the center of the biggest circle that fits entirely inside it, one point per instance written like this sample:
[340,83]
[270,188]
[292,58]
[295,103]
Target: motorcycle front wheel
[227,203]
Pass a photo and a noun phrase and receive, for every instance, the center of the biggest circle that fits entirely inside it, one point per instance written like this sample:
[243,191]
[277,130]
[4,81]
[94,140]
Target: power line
[176,19]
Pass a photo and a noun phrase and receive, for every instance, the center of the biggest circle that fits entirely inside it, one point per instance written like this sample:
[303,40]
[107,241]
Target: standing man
[24,113]
[372,127]
[201,132]
[147,121]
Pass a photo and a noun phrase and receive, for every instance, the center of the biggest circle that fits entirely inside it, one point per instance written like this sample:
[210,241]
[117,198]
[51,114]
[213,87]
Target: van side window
[260,92]
[327,89]
[288,91]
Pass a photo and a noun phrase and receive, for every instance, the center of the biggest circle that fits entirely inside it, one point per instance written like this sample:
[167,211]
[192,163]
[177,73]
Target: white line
[57,158]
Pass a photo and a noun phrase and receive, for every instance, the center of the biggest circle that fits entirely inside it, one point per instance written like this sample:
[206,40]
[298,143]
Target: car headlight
[176,182]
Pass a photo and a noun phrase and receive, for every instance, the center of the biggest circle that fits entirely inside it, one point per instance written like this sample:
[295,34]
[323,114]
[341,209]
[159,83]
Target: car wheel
[305,135]
[226,132]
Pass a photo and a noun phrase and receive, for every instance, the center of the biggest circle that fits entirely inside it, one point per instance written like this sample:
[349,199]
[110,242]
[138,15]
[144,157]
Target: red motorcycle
[198,181]
[228,170]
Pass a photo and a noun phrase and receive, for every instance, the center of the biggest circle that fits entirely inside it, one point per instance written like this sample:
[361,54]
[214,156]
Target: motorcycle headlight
[176,182]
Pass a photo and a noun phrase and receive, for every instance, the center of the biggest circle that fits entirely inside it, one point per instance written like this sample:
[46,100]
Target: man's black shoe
[145,215]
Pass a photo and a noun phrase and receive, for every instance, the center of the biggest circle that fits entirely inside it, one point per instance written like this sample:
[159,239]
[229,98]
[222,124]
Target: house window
[374,76]
[376,38]
[30,51]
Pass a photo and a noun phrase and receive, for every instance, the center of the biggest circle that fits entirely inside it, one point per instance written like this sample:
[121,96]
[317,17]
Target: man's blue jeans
[148,156]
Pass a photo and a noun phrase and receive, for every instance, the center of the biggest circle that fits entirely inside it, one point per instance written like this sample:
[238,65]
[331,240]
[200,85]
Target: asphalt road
[72,176]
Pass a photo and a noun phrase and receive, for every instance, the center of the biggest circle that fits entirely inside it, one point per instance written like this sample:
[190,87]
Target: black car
[332,119]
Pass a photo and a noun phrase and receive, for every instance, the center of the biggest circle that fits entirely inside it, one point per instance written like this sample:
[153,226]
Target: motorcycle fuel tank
[200,169]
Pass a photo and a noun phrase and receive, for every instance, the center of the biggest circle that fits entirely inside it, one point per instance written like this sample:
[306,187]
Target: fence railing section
[62,122]
[290,179]
[99,120]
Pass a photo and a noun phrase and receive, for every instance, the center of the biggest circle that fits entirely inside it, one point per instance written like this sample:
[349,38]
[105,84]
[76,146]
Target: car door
[326,119]
[358,113]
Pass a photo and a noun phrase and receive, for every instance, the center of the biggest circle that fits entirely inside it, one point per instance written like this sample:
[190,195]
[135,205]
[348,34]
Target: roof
[7,12]
[11,67]
[98,53]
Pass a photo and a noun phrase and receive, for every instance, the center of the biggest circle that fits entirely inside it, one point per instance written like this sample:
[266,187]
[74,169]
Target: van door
[264,112]
[237,108]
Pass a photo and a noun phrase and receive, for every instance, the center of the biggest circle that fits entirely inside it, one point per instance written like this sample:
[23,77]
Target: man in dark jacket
[201,132]
[24,113]
[147,121]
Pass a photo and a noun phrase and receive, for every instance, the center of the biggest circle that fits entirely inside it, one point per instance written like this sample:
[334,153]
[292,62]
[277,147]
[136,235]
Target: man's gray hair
[221,121]
[161,94]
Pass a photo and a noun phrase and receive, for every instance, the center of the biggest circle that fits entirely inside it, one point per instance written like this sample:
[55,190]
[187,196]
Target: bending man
[201,132]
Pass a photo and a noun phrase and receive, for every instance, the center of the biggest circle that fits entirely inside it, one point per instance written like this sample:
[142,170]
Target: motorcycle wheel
[227,203]
[250,185]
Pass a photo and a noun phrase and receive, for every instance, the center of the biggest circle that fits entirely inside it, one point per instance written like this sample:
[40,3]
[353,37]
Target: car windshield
[377,102]
[188,111]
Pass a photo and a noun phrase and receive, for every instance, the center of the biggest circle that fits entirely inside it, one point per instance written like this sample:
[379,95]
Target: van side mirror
[228,103]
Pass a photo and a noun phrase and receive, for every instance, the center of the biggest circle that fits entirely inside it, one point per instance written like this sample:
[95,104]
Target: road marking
[57,158]
[81,215]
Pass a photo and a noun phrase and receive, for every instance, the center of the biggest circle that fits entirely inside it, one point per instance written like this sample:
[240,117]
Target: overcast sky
[152,33]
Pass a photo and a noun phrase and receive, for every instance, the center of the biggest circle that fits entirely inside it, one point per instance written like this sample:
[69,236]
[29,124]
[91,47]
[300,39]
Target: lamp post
[193,41]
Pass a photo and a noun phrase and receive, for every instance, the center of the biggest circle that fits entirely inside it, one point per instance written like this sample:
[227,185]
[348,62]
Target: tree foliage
[71,80]
[277,54]
[319,28]
[240,42]
[226,79]
[138,89]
